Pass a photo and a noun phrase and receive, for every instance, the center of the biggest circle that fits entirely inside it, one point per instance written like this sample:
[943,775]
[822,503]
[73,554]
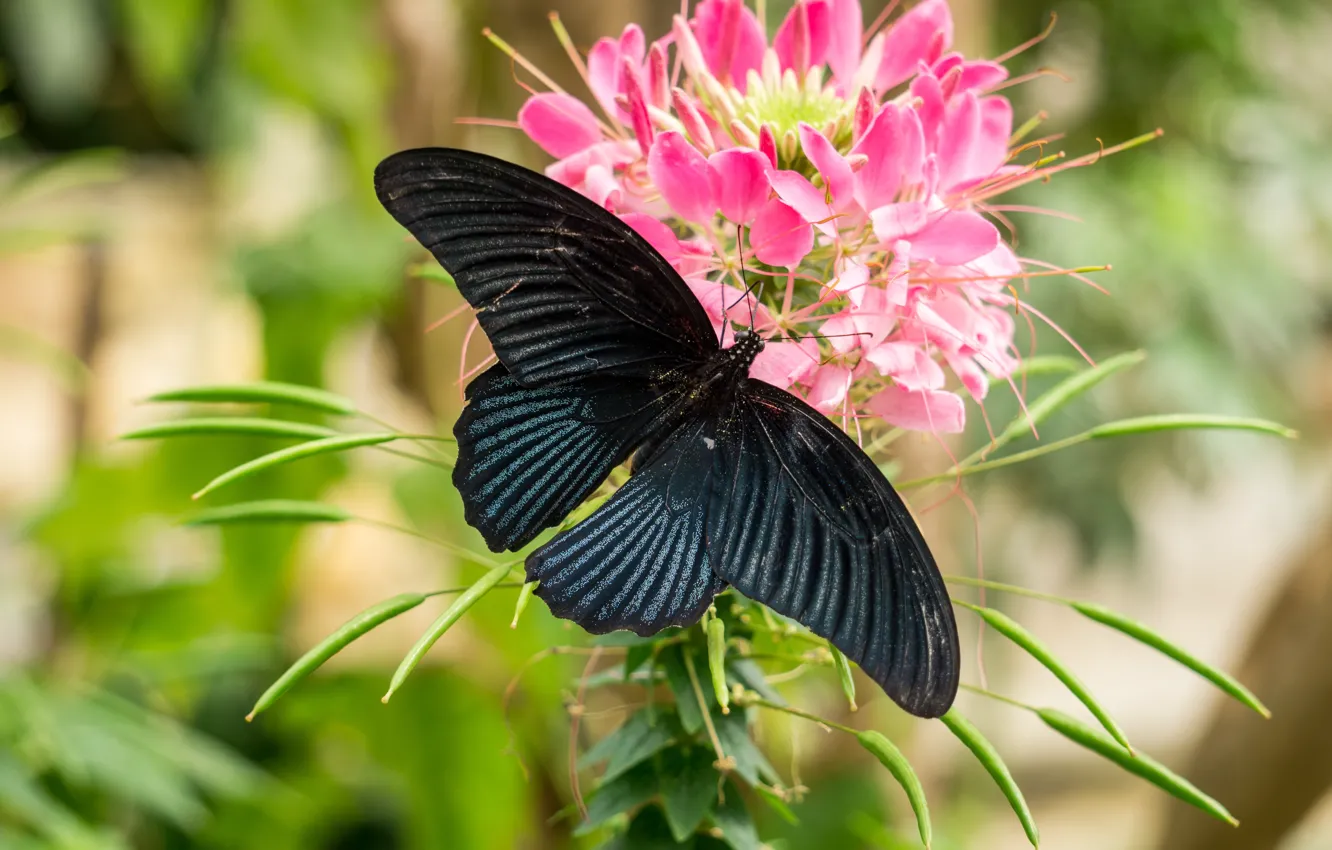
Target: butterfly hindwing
[640,561]
[527,456]
[801,520]
[563,288]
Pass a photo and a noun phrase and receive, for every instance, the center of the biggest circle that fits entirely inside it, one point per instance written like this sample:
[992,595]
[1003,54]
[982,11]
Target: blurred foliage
[1216,232]
[139,625]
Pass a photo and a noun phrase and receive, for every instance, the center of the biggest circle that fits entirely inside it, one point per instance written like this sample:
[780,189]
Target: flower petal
[780,236]
[899,221]
[911,39]
[724,303]
[785,363]
[829,387]
[846,26]
[738,178]
[956,237]
[795,190]
[657,234]
[681,173]
[920,410]
[908,364]
[832,165]
[895,148]
[561,124]
[731,39]
[605,66]
[811,20]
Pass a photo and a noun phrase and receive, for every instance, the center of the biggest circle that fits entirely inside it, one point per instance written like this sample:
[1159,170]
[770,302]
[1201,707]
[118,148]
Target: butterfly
[605,355]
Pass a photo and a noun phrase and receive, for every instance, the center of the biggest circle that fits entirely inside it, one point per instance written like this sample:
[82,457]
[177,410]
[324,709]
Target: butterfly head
[747,347]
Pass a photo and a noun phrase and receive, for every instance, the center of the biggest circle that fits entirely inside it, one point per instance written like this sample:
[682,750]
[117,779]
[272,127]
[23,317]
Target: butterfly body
[606,355]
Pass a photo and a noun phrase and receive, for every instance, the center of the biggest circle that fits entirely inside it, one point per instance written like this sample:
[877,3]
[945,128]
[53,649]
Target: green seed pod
[891,757]
[334,643]
[717,662]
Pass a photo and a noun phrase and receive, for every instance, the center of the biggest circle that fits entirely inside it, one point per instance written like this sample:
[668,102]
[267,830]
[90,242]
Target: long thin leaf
[1122,428]
[1061,394]
[1145,635]
[844,676]
[1140,765]
[226,425]
[446,620]
[1015,632]
[270,510]
[994,765]
[262,391]
[1190,422]
[327,445]
[1046,365]
[335,643]
[891,757]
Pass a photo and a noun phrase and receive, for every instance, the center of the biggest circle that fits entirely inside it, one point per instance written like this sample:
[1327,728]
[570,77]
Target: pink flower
[919,410]
[851,170]
[780,236]
[560,123]
[681,173]
[731,39]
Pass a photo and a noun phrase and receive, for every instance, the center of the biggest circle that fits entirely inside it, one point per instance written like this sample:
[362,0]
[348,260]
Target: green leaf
[733,819]
[524,597]
[891,757]
[270,510]
[623,638]
[777,804]
[749,675]
[677,676]
[335,643]
[1139,764]
[1046,365]
[446,620]
[990,759]
[750,763]
[638,738]
[1143,634]
[635,657]
[263,392]
[1190,422]
[32,348]
[1061,394]
[25,798]
[717,663]
[688,788]
[1012,630]
[56,174]
[1122,428]
[313,448]
[650,830]
[624,792]
[844,676]
[433,272]
[225,425]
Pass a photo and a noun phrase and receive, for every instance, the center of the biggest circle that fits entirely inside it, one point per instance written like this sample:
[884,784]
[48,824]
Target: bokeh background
[185,198]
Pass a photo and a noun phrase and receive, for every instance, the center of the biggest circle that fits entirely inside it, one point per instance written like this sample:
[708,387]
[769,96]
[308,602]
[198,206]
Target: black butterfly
[605,354]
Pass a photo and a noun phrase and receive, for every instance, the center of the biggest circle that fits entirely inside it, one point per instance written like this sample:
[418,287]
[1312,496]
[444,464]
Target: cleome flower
[847,170]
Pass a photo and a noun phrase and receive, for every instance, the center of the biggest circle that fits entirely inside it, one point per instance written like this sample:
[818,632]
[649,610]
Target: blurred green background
[185,198]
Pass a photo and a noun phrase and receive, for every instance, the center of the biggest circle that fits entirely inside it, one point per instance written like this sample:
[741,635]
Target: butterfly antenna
[739,248]
[749,287]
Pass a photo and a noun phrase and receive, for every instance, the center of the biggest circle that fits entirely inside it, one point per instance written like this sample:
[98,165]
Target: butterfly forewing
[563,288]
[801,520]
